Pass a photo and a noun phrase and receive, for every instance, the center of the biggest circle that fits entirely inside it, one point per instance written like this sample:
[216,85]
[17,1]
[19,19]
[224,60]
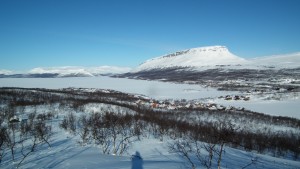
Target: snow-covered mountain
[74,71]
[210,57]
[278,61]
[62,71]
[65,71]
[216,67]
[5,72]
[195,57]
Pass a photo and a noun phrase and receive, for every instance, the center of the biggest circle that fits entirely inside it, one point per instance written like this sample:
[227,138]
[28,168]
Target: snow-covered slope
[278,61]
[80,71]
[195,57]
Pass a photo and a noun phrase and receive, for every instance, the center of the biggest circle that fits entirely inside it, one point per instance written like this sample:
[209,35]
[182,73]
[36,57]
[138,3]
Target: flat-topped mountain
[195,57]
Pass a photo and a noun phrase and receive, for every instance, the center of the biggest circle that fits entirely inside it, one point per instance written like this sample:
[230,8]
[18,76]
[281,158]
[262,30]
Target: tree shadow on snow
[136,161]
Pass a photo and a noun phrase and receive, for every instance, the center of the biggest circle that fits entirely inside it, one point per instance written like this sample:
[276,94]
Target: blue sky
[47,33]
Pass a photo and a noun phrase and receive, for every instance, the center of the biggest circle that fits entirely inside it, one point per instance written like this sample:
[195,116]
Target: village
[190,104]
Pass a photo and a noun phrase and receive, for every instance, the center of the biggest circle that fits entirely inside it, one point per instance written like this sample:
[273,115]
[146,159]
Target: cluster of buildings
[176,105]
[236,97]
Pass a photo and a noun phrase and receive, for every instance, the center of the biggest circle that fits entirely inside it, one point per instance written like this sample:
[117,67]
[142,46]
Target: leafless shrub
[43,132]
[84,129]
[3,142]
[69,123]
[184,149]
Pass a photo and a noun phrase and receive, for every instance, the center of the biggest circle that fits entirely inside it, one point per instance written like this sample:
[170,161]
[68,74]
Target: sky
[52,33]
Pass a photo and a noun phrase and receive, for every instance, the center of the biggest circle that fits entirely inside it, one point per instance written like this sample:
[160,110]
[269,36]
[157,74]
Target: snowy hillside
[196,57]
[278,61]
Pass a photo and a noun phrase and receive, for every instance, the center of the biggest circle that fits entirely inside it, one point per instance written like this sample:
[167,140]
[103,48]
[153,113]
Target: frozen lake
[153,89]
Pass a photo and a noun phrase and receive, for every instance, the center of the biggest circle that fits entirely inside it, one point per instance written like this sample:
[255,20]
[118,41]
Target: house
[228,97]
[14,119]
[220,107]
[213,107]
[154,105]
[229,108]
[170,107]
[139,102]
[247,98]
[237,97]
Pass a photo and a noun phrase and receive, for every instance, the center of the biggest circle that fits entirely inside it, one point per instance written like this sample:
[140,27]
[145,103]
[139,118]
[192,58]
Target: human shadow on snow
[136,161]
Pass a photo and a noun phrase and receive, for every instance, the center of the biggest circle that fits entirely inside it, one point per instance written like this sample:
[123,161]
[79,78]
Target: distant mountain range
[195,59]
[67,71]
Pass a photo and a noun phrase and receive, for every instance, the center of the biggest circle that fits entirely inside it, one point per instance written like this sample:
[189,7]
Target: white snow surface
[195,57]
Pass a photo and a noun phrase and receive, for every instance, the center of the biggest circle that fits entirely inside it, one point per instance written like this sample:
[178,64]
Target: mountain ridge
[66,71]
